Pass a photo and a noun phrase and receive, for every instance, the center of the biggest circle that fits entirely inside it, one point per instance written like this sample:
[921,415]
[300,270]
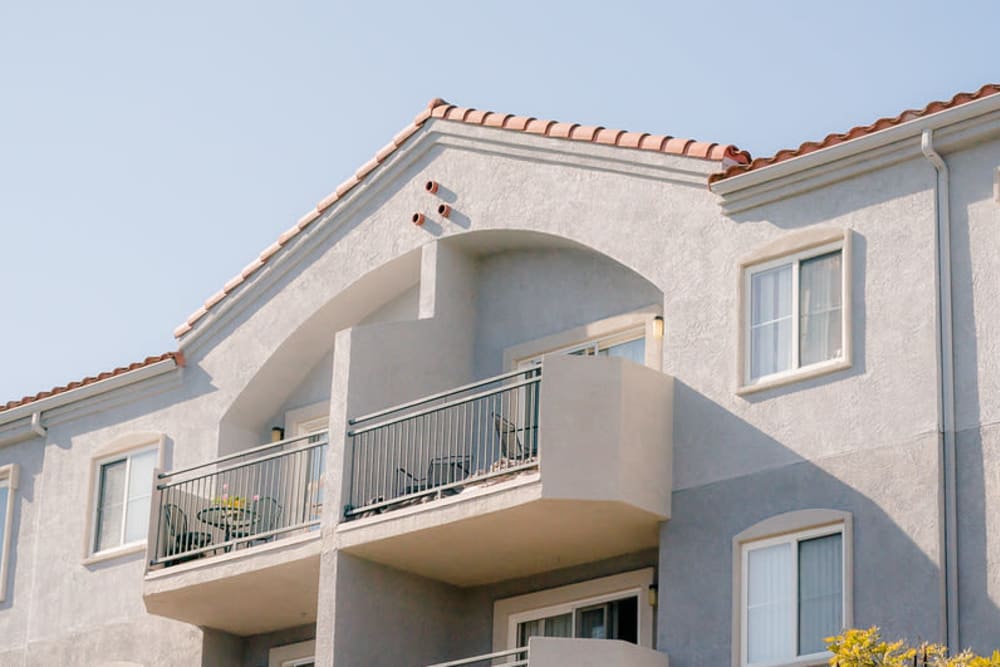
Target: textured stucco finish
[331,318]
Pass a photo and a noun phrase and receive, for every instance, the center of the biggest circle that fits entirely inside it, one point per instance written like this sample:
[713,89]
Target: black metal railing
[438,444]
[236,501]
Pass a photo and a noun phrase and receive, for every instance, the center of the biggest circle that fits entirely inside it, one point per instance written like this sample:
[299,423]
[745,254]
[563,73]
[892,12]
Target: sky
[149,151]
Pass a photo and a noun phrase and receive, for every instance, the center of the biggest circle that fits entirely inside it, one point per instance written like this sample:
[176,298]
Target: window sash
[574,608]
[593,347]
[795,262]
[793,612]
[133,501]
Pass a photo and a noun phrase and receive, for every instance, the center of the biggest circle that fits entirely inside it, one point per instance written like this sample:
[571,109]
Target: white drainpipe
[946,392]
[36,425]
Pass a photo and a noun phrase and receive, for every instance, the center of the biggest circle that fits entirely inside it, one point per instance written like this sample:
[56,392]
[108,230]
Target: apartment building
[534,393]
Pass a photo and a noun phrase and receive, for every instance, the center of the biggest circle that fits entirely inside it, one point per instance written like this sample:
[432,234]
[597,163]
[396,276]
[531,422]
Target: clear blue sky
[148,151]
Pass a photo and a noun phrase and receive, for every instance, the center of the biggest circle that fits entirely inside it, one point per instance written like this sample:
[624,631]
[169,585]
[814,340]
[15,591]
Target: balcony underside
[244,592]
[507,531]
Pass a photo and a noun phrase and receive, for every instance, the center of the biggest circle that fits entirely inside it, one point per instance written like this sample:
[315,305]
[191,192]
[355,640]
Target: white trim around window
[644,324]
[509,612]
[783,261]
[8,487]
[767,539]
[293,655]
[120,490]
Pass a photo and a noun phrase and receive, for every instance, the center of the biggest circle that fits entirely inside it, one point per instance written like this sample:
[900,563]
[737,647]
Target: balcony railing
[517,657]
[244,499]
[438,445]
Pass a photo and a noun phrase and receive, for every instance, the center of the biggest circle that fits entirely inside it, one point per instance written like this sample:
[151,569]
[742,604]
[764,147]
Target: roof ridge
[439,109]
[177,356]
[855,132]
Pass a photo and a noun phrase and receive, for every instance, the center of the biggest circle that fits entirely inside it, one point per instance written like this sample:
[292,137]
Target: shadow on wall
[896,581]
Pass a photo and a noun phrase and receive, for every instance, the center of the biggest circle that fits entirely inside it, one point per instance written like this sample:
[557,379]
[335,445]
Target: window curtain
[820,305]
[770,600]
[140,491]
[771,321]
[820,591]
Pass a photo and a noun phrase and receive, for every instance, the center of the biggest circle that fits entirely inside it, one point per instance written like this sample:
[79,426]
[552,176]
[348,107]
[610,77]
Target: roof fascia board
[87,391]
[951,138]
[435,132]
[853,147]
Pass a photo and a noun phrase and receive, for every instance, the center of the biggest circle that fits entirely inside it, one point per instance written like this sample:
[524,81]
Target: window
[614,607]
[796,309]
[123,492]
[612,619]
[629,345]
[793,592]
[300,654]
[8,484]
[636,336]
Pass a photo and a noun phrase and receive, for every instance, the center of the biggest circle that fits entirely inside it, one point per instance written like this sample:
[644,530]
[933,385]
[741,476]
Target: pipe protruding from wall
[444,210]
[36,425]
[418,219]
[431,187]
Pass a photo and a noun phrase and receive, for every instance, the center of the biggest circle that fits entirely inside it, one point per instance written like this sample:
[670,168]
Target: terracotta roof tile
[856,132]
[439,109]
[178,358]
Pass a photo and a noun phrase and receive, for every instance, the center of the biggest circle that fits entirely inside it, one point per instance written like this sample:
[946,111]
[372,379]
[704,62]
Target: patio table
[228,518]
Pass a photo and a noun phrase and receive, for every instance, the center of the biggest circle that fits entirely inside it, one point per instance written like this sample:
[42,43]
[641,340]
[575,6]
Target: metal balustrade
[516,657]
[240,500]
[437,445]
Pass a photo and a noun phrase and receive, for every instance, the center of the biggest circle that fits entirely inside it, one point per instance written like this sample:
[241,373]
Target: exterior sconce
[277,434]
[658,326]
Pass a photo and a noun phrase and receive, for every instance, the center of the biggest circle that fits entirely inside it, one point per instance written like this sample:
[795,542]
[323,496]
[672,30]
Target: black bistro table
[229,518]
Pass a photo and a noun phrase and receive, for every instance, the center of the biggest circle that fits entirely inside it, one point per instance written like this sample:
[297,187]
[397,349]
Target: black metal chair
[441,471]
[180,540]
[266,517]
[510,444]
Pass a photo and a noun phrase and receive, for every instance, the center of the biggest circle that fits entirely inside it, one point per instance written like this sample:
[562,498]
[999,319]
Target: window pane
[771,348]
[140,488]
[820,308]
[527,630]
[820,592]
[770,629]
[590,623]
[559,626]
[109,505]
[633,350]
[4,499]
[623,620]
[771,321]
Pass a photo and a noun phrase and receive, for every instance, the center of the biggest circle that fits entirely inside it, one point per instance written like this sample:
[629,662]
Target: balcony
[546,467]
[557,652]
[233,543]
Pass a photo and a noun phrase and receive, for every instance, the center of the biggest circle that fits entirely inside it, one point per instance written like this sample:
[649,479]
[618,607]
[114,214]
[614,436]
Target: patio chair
[266,517]
[441,470]
[510,444]
[179,538]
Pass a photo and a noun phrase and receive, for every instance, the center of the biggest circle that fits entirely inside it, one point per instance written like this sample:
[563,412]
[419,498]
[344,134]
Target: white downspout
[36,425]
[946,391]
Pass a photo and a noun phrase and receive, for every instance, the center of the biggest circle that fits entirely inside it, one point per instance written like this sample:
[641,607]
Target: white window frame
[292,655]
[571,608]
[509,612]
[8,479]
[644,323]
[126,446]
[793,251]
[790,528]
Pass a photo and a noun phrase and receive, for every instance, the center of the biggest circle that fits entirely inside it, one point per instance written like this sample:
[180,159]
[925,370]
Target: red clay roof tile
[855,132]
[178,358]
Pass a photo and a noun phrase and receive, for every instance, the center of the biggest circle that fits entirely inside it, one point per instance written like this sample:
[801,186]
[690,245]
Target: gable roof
[177,357]
[855,133]
[437,108]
